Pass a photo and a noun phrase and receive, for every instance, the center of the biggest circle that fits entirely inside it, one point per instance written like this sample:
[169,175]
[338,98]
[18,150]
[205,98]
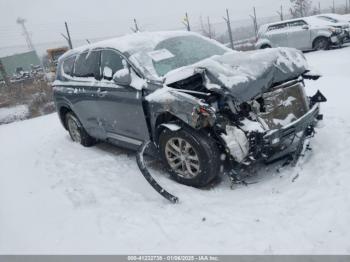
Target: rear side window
[87,64]
[111,60]
[298,23]
[276,27]
[68,65]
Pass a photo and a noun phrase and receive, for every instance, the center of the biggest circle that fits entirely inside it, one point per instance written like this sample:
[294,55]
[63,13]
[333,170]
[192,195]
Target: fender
[262,42]
[171,126]
[62,102]
[322,33]
[182,106]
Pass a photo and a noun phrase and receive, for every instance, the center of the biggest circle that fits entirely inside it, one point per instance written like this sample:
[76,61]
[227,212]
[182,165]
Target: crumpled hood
[246,74]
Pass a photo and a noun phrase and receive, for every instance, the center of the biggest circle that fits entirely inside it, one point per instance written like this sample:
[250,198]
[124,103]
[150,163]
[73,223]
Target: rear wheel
[322,43]
[192,158]
[77,131]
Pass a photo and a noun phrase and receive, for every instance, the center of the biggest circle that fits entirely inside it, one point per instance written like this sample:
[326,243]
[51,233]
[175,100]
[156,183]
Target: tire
[322,43]
[77,131]
[203,148]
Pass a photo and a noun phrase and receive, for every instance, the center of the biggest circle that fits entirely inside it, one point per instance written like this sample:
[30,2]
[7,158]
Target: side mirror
[122,77]
[305,27]
[107,72]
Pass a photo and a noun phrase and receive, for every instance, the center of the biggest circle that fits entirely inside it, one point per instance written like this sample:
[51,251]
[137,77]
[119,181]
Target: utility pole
[68,38]
[229,30]
[280,13]
[255,22]
[4,74]
[333,7]
[21,22]
[186,22]
[209,28]
[319,7]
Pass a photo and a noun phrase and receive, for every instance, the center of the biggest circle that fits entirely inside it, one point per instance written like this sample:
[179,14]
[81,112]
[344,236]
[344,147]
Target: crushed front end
[274,125]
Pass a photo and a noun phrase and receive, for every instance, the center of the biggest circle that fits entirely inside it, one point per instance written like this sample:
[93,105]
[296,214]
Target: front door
[299,35]
[121,108]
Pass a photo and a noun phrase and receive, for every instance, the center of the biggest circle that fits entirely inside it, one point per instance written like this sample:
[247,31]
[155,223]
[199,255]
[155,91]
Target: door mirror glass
[107,73]
[305,27]
[122,77]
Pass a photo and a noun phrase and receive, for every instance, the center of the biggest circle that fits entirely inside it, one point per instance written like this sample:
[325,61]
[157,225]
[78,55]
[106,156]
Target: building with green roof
[23,60]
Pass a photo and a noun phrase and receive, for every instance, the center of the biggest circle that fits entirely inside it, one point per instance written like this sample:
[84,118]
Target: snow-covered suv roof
[130,43]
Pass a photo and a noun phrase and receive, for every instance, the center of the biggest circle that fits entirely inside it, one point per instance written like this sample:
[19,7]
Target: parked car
[199,103]
[308,33]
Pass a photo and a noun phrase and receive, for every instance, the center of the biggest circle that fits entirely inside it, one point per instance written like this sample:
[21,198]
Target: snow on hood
[246,74]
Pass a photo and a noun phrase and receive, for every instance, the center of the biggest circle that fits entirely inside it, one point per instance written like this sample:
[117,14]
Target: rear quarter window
[277,27]
[68,65]
[298,23]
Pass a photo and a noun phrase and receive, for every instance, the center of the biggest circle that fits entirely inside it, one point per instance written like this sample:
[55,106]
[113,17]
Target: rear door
[84,93]
[121,109]
[299,35]
[277,34]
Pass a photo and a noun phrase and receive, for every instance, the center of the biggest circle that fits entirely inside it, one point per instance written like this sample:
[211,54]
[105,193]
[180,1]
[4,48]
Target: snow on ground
[58,197]
[12,114]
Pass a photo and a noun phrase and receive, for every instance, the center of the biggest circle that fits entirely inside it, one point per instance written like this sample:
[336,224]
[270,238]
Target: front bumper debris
[280,142]
[278,136]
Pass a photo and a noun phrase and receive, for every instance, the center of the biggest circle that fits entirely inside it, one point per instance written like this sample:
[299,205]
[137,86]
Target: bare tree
[207,29]
[333,7]
[280,13]
[186,22]
[255,22]
[229,30]
[300,8]
[136,28]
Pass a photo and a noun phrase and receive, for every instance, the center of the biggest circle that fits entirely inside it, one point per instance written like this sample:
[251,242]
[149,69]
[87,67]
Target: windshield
[176,52]
[328,19]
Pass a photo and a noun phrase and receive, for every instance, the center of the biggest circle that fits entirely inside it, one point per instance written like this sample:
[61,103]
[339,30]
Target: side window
[298,23]
[111,62]
[68,65]
[276,27]
[87,64]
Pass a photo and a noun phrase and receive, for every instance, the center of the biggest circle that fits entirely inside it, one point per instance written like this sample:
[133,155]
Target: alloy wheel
[182,158]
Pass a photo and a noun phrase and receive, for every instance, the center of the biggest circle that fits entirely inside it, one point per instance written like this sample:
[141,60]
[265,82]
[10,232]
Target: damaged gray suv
[200,104]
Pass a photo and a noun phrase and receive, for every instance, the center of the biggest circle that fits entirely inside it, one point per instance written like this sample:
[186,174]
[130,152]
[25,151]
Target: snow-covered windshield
[174,53]
[328,19]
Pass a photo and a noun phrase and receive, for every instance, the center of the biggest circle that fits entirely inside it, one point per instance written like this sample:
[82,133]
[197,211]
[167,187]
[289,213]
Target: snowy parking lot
[57,197]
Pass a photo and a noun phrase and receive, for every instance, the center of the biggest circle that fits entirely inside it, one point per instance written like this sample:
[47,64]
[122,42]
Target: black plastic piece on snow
[148,176]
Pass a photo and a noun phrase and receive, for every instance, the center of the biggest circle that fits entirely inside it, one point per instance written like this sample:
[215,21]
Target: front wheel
[192,157]
[321,43]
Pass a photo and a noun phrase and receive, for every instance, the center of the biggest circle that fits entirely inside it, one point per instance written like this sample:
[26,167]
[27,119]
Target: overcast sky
[103,18]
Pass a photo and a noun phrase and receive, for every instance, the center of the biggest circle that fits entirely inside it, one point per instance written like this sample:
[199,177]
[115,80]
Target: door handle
[102,93]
